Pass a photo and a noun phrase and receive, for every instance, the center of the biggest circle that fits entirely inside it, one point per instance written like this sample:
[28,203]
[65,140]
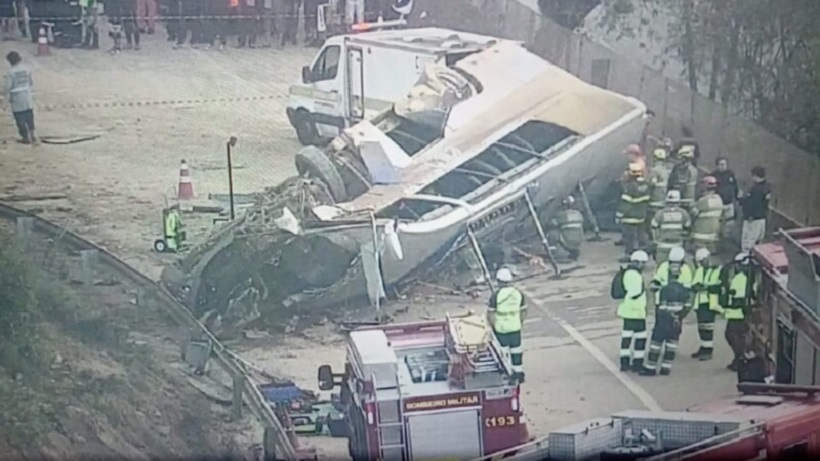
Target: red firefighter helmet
[710,182]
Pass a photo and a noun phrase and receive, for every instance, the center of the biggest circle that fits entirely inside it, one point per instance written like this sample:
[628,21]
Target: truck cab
[355,77]
[427,390]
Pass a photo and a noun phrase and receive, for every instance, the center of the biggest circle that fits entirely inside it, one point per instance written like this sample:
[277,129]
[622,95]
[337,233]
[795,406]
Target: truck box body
[355,77]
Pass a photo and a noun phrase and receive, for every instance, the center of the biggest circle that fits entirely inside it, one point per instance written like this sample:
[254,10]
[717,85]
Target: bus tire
[312,162]
[305,128]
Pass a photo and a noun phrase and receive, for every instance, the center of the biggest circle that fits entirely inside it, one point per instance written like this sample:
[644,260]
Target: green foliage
[760,58]
[19,301]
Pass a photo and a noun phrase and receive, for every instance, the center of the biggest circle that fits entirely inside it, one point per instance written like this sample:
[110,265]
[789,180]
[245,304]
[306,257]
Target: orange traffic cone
[185,191]
[42,42]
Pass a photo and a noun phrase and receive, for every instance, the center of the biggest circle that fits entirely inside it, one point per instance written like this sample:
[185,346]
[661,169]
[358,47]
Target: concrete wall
[794,174]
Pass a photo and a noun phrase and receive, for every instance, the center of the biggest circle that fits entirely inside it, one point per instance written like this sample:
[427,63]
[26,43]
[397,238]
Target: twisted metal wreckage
[475,148]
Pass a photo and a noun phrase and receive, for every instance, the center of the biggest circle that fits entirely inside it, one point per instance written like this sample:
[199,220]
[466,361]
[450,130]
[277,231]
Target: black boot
[666,372]
[625,364]
[646,372]
[706,355]
[697,354]
[637,366]
[732,366]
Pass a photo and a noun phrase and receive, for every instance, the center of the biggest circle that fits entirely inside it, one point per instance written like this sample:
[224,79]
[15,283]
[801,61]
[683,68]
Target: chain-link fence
[794,174]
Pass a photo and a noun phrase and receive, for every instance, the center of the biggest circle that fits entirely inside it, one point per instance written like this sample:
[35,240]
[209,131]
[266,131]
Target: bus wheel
[305,128]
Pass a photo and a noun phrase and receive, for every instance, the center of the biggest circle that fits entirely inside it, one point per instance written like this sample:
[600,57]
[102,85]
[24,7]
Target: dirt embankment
[88,371]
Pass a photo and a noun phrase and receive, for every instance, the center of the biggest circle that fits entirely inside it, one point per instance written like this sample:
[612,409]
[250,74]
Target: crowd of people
[195,23]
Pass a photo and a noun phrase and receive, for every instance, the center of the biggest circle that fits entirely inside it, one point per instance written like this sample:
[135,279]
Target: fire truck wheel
[311,161]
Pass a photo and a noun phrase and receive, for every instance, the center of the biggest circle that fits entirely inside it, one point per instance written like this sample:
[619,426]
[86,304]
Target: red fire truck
[786,325]
[427,390]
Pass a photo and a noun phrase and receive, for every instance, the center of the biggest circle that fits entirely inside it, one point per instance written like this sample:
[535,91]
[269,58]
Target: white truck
[354,77]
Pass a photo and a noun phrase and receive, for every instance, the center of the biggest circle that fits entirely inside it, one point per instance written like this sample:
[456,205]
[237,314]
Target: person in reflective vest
[506,314]
[738,292]
[673,269]
[669,227]
[632,211]
[658,181]
[632,311]
[684,176]
[707,213]
[568,225]
[674,303]
[706,286]
[172,235]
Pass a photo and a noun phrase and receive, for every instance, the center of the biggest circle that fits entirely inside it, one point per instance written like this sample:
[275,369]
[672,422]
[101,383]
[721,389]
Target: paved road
[571,348]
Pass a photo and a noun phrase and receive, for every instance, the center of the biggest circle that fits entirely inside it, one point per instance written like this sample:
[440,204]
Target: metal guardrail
[712,442]
[285,450]
[531,451]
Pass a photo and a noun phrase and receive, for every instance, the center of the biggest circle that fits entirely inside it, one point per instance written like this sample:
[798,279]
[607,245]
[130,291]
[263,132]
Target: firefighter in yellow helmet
[633,211]
[684,176]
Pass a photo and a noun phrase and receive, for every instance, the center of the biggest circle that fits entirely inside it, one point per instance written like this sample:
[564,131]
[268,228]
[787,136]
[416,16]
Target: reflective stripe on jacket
[706,214]
[508,310]
[670,226]
[571,224]
[633,309]
[634,204]
[709,279]
[738,297]
[659,182]
[662,277]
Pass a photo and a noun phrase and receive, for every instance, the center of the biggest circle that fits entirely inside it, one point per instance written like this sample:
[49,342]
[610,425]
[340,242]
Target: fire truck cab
[427,390]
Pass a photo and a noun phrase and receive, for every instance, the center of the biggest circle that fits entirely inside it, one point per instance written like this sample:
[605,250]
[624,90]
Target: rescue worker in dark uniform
[755,204]
[568,229]
[729,193]
[632,211]
[674,302]
[706,287]
[670,226]
[632,311]
[738,293]
[290,21]
[506,314]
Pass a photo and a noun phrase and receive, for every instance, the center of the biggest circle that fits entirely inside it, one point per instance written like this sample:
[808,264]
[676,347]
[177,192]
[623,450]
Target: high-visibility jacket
[706,215]
[171,224]
[634,286]
[634,204]
[670,226]
[659,182]
[739,298]
[709,285]
[661,278]
[508,304]
[571,224]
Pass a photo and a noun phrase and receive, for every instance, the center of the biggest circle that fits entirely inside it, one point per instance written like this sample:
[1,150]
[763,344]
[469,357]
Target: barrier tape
[266,15]
[170,102]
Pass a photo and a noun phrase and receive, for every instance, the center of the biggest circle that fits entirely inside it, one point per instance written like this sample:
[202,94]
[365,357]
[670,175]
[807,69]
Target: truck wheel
[312,162]
[305,128]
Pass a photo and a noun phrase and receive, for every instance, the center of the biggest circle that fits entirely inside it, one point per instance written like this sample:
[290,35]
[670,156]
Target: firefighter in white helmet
[670,226]
[672,303]
[706,287]
[737,295]
[506,314]
[629,289]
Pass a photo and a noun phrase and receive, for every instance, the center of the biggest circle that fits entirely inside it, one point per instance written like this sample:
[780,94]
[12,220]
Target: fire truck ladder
[487,359]
[390,424]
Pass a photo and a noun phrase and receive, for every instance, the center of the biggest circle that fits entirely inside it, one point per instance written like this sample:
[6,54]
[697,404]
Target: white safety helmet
[639,256]
[743,257]
[504,275]
[676,255]
[702,254]
[673,196]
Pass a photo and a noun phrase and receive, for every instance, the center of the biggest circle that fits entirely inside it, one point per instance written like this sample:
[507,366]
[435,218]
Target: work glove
[636,296]
[697,287]
[655,285]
